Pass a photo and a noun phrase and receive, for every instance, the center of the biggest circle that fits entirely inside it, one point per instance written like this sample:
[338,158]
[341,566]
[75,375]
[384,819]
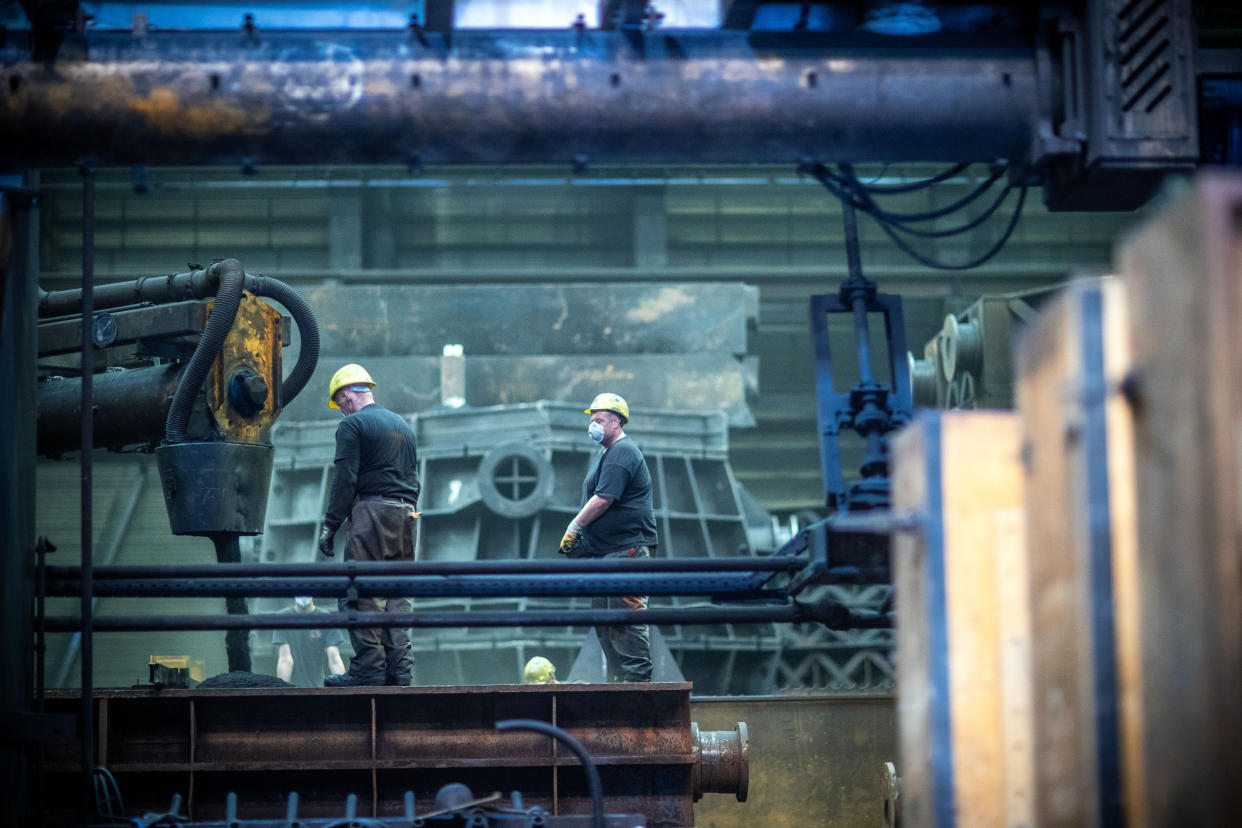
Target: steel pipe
[86,441]
[555,566]
[723,761]
[197,284]
[129,409]
[424,620]
[739,585]
[519,97]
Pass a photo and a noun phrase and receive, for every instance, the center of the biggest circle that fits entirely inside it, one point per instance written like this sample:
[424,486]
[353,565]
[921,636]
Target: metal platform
[380,742]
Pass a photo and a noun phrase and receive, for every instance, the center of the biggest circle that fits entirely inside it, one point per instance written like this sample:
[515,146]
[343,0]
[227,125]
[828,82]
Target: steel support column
[19,266]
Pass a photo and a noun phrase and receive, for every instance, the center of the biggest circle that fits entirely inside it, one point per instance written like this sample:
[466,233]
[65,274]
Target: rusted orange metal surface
[254,345]
[379,742]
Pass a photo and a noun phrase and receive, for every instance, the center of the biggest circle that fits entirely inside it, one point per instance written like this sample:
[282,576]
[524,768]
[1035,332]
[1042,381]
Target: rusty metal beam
[516,97]
[380,742]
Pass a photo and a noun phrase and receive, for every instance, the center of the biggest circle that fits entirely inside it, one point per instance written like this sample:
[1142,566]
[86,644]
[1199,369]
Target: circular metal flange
[722,761]
[515,480]
[961,348]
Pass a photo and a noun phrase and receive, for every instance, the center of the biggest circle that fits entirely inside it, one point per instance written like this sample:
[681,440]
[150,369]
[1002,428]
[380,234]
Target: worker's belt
[632,551]
[393,499]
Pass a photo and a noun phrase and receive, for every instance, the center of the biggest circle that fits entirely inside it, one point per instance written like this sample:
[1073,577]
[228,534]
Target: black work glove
[327,538]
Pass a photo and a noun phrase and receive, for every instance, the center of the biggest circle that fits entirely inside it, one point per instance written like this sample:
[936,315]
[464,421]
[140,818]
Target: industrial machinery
[969,362]
[198,382]
[395,750]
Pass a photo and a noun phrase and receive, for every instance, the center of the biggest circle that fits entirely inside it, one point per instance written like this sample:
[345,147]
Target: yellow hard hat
[610,402]
[539,671]
[351,374]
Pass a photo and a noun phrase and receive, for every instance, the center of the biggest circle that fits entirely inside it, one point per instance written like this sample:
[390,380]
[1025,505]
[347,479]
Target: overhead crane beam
[513,97]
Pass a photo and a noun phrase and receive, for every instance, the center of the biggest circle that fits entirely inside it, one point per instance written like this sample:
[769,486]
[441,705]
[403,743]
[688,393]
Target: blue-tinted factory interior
[504,413]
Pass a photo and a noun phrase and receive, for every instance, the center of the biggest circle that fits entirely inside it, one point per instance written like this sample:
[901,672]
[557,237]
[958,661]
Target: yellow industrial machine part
[244,383]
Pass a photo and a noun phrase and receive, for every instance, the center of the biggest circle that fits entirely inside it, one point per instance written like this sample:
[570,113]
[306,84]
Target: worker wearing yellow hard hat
[610,402]
[539,671]
[617,520]
[348,375]
[375,487]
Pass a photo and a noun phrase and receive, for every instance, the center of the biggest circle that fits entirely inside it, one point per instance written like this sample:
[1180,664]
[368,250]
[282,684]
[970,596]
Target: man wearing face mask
[305,657]
[617,520]
[375,486]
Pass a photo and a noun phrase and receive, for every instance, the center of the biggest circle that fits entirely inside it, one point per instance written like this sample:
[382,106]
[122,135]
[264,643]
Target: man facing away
[375,486]
[617,520]
[305,657]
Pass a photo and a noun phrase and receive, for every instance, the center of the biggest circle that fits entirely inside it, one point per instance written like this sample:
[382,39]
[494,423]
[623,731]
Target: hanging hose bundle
[845,185]
[228,300]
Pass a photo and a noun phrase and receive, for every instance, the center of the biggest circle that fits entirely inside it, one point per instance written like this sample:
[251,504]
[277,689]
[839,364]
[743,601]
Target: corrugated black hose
[308,328]
[223,313]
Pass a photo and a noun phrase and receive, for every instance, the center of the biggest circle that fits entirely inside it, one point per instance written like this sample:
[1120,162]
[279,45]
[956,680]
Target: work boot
[348,680]
[398,681]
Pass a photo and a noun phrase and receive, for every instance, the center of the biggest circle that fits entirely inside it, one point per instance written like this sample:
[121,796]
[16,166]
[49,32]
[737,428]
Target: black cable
[875,210]
[916,185]
[912,253]
[846,187]
[962,228]
[588,765]
[849,189]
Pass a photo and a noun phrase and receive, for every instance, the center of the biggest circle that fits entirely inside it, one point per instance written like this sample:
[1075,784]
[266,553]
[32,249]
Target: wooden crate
[1080,507]
[1131,406]
[962,638]
[1180,602]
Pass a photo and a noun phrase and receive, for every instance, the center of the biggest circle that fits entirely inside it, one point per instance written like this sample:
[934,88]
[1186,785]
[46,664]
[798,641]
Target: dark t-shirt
[310,661]
[375,455]
[620,472]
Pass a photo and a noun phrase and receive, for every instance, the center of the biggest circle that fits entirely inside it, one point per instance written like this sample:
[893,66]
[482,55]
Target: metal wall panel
[815,760]
[758,224]
[121,658]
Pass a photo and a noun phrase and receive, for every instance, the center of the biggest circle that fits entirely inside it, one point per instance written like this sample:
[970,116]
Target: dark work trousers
[627,649]
[381,530]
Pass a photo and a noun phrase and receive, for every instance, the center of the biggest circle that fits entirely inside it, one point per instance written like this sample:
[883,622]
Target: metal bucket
[215,487]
